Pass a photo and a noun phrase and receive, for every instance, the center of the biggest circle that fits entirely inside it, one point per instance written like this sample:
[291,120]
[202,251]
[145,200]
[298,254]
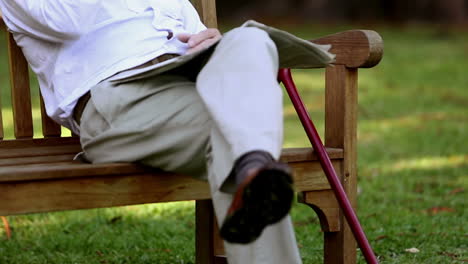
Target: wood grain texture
[20,161]
[212,249]
[2,135]
[69,170]
[204,242]
[325,206]
[97,192]
[289,155]
[32,151]
[207,11]
[20,91]
[2,27]
[38,142]
[306,170]
[355,48]
[49,127]
[308,176]
[341,132]
[114,185]
[50,146]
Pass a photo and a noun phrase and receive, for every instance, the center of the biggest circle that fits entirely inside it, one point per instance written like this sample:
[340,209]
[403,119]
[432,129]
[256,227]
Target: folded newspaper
[293,51]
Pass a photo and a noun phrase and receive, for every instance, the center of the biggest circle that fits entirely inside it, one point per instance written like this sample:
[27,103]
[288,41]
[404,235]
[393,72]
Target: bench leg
[341,110]
[339,243]
[209,245]
[339,247]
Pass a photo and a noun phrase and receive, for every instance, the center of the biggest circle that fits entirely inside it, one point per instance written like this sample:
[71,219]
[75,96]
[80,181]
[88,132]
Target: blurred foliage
[394,11]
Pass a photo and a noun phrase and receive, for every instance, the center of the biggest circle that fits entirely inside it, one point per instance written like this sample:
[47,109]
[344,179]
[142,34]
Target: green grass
[413,171]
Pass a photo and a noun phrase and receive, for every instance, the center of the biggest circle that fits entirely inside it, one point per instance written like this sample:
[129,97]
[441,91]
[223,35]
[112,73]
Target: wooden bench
[38,174]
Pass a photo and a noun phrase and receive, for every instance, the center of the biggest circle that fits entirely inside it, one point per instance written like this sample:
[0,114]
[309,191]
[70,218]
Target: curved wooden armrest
[355,48]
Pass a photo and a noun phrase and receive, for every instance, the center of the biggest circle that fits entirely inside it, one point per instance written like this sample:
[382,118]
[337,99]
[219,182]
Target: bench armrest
[355,48]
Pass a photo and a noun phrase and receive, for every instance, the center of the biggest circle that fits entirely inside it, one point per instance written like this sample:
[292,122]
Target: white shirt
[72,45]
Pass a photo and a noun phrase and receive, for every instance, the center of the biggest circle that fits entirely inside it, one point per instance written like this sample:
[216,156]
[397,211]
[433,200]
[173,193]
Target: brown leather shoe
[263,198]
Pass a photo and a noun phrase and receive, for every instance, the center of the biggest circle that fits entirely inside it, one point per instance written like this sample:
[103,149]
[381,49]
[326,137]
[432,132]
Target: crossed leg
[200,128]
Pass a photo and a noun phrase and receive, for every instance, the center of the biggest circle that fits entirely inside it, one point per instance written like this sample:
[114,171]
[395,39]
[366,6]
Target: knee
[248,32]
[248,35]
[241,49]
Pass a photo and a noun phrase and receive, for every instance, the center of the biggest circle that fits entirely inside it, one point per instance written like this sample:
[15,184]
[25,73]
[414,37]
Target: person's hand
[200,41]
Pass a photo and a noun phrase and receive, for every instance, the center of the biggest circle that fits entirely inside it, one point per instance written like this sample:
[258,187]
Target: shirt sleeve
[50,20]
[193,24]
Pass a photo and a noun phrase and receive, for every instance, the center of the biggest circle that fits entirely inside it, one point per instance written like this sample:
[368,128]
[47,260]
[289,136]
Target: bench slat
[1,88]
[67,170]
[2,31]
[35,160]
[58,168]
[39,151]
[97,191]
[20,91]
[289,155]
[38,142]
[49,127]
[207,11]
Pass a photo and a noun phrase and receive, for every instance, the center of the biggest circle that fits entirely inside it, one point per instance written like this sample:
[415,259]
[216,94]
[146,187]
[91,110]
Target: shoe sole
[266,200]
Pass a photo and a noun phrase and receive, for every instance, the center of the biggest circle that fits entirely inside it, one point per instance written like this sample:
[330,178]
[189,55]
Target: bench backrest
[21,91]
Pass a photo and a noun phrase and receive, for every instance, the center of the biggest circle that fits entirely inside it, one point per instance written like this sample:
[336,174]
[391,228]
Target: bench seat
[39,175]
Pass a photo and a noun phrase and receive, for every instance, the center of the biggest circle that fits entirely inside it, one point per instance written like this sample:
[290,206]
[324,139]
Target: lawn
[413,170]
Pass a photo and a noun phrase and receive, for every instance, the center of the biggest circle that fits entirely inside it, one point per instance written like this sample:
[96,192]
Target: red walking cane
[284,75]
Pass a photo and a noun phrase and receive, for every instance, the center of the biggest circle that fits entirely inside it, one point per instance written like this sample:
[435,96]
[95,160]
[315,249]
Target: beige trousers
[199,127]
